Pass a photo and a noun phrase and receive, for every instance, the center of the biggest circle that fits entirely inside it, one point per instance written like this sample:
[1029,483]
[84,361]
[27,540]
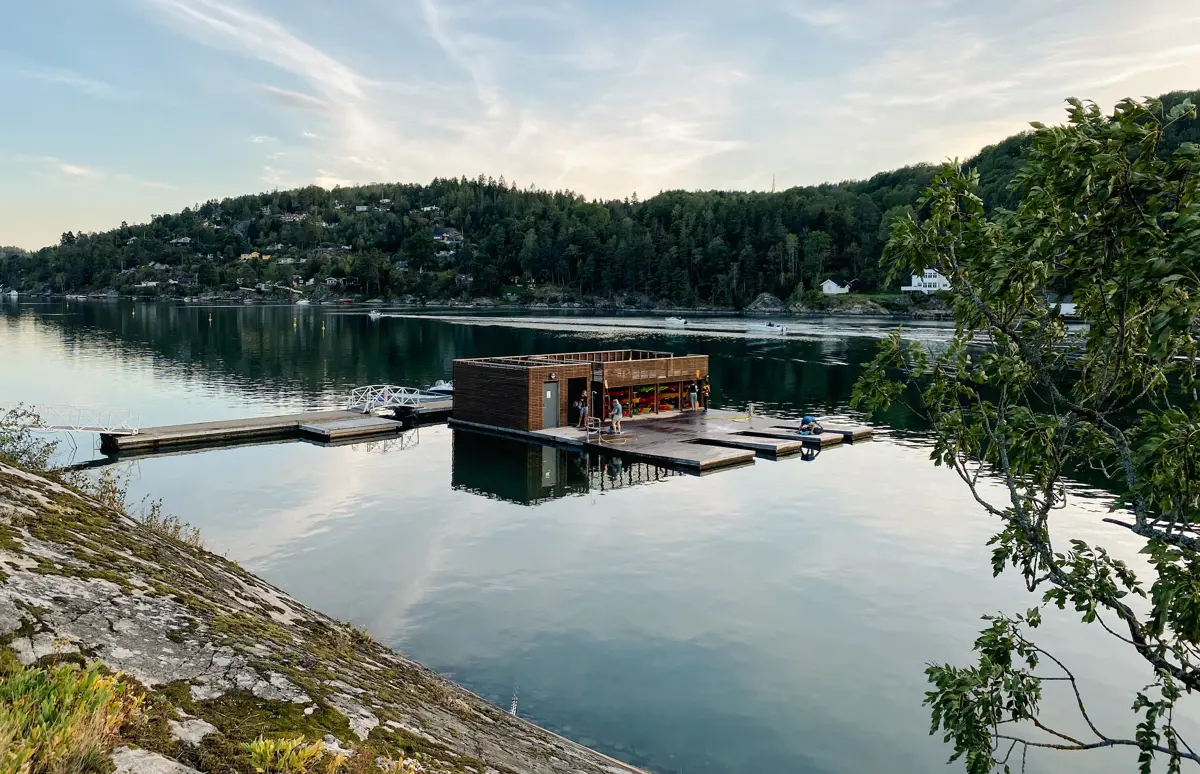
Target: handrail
[376,397]
[83,419]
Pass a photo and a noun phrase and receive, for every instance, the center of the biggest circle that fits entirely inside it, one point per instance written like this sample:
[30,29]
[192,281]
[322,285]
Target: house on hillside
[130,240]
[181,241]
[361,208]
[332,282]
[431,208]
[385,201]
[834,288]
[254,256]
[928,281]
[292,217]
[450,236]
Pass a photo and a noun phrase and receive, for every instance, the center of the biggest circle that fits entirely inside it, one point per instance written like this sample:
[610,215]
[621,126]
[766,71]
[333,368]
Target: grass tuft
[61,719]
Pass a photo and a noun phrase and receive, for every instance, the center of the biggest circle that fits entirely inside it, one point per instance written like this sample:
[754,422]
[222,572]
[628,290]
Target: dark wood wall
[492,395]
[510,396]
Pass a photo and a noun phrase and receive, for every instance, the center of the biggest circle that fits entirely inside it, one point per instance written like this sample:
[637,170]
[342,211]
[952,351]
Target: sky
[113,111]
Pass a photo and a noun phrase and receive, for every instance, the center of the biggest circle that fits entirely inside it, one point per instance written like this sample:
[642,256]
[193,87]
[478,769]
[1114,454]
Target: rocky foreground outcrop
[225,658]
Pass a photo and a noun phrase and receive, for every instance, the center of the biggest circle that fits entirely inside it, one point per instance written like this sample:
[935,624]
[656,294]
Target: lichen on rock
[224,658]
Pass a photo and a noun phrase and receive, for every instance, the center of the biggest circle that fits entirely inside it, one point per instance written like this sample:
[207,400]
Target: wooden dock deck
[847,432]
[324,426]
[697,442]
[427,411]
[658,445]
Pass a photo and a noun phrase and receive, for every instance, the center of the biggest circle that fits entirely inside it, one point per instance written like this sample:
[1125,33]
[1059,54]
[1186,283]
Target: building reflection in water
[529,473]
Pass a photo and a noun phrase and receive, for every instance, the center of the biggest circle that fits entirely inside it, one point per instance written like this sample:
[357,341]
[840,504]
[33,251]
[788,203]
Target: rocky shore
[223,658]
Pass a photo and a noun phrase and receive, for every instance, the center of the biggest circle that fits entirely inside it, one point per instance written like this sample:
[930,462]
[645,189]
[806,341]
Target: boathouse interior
[536,392]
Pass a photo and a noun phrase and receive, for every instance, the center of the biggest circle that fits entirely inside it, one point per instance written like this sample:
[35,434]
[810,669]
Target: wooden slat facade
[510,391]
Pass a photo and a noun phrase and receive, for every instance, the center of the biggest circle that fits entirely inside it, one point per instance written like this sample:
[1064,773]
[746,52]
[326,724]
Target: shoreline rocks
[223,657]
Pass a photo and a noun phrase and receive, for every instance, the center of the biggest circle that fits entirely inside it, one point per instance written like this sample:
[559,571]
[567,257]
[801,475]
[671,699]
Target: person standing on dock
[616,416]
[583,409]
[693,397]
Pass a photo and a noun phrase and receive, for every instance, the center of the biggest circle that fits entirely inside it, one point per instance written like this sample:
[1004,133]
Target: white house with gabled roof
[928,281]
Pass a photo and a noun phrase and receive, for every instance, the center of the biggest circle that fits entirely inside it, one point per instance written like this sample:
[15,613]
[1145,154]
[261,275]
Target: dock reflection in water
[530,474]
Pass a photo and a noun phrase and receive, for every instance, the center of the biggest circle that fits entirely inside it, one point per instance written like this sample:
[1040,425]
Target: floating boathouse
[536,392]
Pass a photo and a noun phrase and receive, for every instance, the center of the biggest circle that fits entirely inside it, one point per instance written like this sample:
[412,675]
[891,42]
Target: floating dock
[694,441]
[427,411]
[320,426]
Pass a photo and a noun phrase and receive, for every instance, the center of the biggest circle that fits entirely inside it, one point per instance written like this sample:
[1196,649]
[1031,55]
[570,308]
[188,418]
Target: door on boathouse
[550,405]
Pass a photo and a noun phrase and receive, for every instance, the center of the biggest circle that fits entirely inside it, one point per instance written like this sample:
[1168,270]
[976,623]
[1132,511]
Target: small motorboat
[769,327]
[677,322]
[303,302]
[374,314]
[442,387]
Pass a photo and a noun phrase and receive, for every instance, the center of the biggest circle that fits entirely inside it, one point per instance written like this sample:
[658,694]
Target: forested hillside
[483,237]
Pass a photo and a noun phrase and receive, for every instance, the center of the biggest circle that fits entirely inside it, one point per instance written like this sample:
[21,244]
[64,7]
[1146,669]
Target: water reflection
[300,358]
[531,474]
[772,618]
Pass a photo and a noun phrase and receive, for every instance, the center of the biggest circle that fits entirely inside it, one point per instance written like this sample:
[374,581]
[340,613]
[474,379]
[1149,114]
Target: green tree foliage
[1109,209]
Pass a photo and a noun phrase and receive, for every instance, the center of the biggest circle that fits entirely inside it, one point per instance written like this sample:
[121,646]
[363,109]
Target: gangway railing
[377,397]
[81,419]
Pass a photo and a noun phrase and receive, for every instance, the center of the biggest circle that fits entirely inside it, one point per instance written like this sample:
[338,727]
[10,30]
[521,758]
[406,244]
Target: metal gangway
[378,397]
[79,419]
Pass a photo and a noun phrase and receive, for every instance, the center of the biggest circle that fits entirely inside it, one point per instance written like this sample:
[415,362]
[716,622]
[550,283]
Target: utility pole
[772,183]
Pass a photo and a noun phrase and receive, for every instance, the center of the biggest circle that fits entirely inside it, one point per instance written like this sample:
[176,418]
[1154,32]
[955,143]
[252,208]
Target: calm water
[773,618]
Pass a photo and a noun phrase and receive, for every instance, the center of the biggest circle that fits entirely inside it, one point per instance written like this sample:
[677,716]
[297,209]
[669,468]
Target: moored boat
[677,322]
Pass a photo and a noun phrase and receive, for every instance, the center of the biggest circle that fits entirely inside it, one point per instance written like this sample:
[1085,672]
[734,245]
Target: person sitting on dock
[809,425]
[616,416]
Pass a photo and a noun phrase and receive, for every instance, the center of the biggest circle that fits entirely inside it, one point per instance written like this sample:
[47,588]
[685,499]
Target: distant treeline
[704,247]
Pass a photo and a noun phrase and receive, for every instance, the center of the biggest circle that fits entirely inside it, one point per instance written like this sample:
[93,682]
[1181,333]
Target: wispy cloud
[259,139]
[462,49]
[81,83]
[295,99]
[256,36]
[57,165]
